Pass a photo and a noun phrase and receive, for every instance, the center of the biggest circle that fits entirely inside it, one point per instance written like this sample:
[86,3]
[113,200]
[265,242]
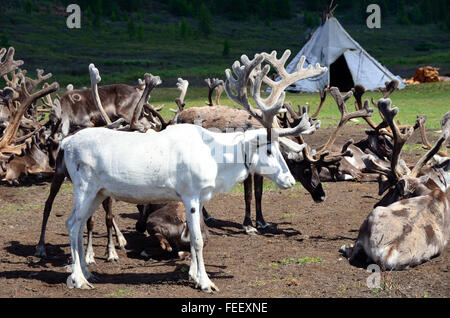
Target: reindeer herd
[112,144]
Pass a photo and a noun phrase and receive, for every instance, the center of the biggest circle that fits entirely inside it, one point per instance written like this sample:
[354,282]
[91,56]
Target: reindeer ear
[401,186]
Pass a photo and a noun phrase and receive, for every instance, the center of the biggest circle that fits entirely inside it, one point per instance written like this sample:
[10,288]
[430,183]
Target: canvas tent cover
[331,43]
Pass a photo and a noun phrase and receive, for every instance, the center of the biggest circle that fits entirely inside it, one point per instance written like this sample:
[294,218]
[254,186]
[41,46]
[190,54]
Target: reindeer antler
[426,144]
[217,85]
[390,87]
[95,79]
[384,106]
[11,130]
[345,115]
[182,86]
[272,105]
[150,83]
[323,96]
[445,124]
[8,65]
[286,78]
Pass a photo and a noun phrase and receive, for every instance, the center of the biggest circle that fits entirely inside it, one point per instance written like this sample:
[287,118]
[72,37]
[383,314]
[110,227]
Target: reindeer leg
[163,242]
[110,248]
[119,236]
[90,255]
[121,241]
[57,181]
[85,204]
[247,225]
[197,270]
[207,217]
[260,222]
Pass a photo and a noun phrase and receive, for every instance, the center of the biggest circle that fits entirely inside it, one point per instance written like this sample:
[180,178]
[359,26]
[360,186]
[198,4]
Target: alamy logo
[374,279]
[73,21]
[374,19]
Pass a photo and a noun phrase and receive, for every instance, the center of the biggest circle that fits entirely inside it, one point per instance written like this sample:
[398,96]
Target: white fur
[184,163]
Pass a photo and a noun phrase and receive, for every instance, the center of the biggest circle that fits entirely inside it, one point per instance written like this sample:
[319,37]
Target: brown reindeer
[166,222]
[79,108]
[411,224]
[378,142]
[26,140]
[61,172]
[350,165]
[225,119]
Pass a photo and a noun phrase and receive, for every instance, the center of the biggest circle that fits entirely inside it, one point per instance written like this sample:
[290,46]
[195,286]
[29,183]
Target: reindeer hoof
[122,242]
[250,230]
[112,256]
[91,262]
[210,288]
[40,251]
[209,220]
[266,227]
[183,255]
[71,283]
[113,260]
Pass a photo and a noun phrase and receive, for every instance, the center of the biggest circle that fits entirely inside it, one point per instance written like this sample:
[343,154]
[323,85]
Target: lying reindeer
[378,142]
[26,137]
[167,223]
[411,224]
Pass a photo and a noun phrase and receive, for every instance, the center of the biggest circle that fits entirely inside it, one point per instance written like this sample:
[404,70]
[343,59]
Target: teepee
[347,62]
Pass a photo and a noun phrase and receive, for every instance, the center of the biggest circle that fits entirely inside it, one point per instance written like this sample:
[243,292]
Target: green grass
[431,99]
[121,293]
[293,260]
[42,40]
[13,208]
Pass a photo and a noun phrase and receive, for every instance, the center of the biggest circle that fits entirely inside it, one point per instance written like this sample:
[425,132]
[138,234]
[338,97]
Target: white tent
[348,63]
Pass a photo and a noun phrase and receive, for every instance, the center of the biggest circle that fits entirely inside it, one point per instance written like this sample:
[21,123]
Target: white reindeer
[183,163]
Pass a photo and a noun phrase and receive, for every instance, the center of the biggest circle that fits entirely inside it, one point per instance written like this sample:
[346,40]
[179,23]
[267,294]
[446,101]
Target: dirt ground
[301,259]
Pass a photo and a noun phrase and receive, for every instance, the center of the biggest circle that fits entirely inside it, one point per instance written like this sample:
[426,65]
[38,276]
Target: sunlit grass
[431,99]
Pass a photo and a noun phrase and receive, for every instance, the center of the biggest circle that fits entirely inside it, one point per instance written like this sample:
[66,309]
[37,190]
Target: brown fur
[409,232]
[222,118]
[168,223]
[78,107]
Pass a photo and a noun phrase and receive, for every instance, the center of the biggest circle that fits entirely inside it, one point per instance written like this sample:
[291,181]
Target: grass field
[431,99]
[42,40]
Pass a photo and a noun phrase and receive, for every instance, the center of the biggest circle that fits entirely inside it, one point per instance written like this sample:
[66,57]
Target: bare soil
[300,259]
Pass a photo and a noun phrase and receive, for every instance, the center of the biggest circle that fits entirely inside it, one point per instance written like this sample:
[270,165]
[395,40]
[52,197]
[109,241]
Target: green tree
[309,20]
[184,29]
[226,48]
[140,32]
[131,28]
[29,6]
[4,40]
[204,20]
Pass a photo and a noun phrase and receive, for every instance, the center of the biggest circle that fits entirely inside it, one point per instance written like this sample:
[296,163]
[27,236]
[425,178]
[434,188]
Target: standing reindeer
[225,119]
[411,223]
[183,163]
[61,172]
[80,108]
